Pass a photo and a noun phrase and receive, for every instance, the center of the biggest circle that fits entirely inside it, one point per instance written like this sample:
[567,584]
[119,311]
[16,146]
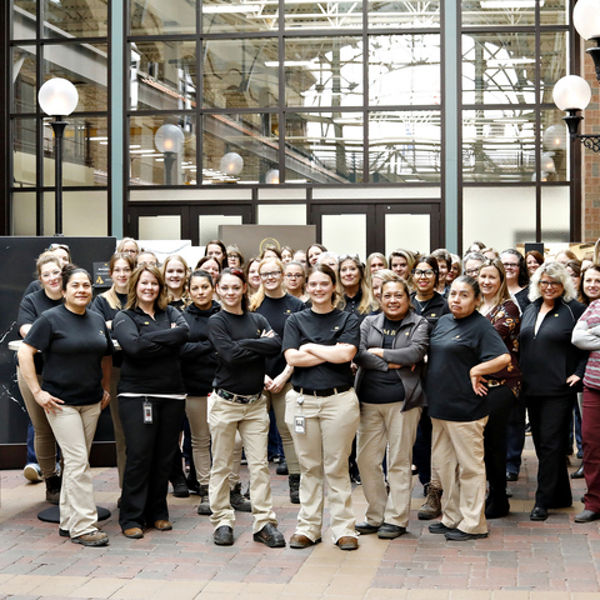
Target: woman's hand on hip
[573,380]
[478,383]
[50,403]
[105,399]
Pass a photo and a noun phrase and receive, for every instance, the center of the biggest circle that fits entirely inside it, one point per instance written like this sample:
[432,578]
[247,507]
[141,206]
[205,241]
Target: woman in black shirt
[357,296]
[276,306]
[322,410]
[151,399]
[388,383]
[463,348]
[552,369]
[31,307]
[242,340]
[108,304]
[76,347]
[175,272]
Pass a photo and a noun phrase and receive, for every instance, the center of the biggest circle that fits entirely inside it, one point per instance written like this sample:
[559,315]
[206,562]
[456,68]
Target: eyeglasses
[423,272]
[510,265]
[550,284]
[293,275]
[473,272]
[273,274]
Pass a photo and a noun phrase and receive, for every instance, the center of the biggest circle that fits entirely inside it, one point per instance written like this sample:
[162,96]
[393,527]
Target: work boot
[237,500]
[432,508]
[294,481]
[204,506]
[53,489]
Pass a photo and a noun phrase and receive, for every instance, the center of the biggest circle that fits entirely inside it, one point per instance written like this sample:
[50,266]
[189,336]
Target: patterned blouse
[506,320]
[591,316]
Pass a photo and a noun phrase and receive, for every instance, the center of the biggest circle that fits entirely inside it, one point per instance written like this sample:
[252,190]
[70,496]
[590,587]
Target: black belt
[237,398]
[325,392]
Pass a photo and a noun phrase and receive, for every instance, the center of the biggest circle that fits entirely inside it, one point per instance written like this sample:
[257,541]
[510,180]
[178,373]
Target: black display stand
[52,514]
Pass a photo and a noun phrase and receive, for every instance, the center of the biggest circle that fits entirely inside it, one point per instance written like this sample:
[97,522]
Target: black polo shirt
[73,346]
[277,311]
[457,345]
[328,330]
[431,309]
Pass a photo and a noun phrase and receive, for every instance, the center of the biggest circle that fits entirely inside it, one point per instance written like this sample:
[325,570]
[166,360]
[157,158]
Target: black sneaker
[180,488]
[270,536]
[439,527]
[387,531]
[365,528]
[223,536]
[456,535]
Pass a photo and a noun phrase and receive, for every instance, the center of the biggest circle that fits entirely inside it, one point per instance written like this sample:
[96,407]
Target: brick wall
[591,161]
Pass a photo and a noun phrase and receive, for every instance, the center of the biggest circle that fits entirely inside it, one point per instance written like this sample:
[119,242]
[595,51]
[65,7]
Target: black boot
[282,468]
[53,489]
[204,506]
[294,481]
[237,500]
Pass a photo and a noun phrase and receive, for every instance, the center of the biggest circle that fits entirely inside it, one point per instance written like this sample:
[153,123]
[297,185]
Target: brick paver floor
[521,560]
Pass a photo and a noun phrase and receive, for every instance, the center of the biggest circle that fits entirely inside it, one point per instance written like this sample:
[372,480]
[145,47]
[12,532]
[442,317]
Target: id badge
[147,412]
[299,424]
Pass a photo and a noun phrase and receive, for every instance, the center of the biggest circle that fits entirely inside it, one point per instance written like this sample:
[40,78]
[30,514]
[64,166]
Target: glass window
[510,209]
[236,16]
[324,72]
[23,76]
[148,165]
[408,15]
[85,65]
[76,18]
[85,152]
[498,68]
[159,227]
[24,150]
[553,62]
[404,69]
[329,14]
[159,17]
[23,214]
[556,213]
[281,214]
[556,147]
[334,233]
[404,146]
[407,231]
[208,226]
[241,73]
[24,17]
[497,12]
[163,75]
[325,147]
[498,145]
[554,12]
[85,213]
[253,137]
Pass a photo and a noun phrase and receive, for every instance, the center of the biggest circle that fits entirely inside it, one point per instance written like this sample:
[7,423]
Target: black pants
[500,401]
[515,437]
[422,448]
[150,451]
[550,418]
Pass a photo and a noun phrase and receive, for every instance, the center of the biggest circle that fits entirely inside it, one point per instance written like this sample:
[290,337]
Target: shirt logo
[146,322]
[336,327]
[433,314]
[288,311]
[457,337]
[556,314]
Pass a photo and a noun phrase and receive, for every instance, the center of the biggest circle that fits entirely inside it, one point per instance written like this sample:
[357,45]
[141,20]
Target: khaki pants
[277,401]
[195,410]
[380,425]
[323,450]
[121,448]
[44,442]
[457,450]
[225,418]
[74,428]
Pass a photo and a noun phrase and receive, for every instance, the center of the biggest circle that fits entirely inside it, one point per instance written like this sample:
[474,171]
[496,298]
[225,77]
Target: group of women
[422,365]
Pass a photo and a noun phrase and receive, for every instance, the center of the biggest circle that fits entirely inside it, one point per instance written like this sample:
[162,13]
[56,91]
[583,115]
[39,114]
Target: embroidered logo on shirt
[146,322]
[433,314]
[556,314]
[336,327]
[457,337]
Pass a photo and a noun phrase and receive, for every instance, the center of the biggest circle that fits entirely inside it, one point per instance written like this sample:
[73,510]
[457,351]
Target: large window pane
[412,231]
[334,233]
[498,145]
[325,147]
[85,65]
[324,72]
[498,68]
[148,165]
[404,69]
[254,137]
[329,14]
[487,215]
[226,17]
[556,214]
[85,213]
[161,17]
[76,18]
[24,17]
[554,12]
[404,146]
[241,73]
[23,213]
[409,14]
[163,75]
[23,89]
[85,152]
[497,12]
[554,62]
[24,164]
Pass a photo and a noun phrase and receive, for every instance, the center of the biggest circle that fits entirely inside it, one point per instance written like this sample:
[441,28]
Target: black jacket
[151,363]
[548,358]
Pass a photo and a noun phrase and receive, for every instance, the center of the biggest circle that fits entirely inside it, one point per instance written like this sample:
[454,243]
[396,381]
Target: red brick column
[590,189]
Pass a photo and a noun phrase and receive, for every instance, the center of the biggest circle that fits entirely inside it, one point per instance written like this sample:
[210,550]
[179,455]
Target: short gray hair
[555,271]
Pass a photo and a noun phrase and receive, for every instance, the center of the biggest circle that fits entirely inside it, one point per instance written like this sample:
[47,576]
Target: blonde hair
[259,296]
[557,272]
[161,301]
[502,294]
[45,258]
[126,240]
[111,294]
[366,301]
[184,287]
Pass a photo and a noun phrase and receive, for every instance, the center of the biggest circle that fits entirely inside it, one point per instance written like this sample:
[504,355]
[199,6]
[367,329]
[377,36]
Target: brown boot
[432,508]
